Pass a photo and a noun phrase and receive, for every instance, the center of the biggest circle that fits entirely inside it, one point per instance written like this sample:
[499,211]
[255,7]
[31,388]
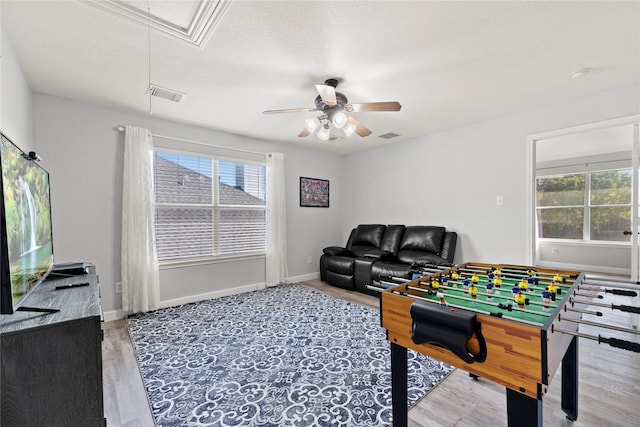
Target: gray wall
[15,99]
[84,155]
[452,178]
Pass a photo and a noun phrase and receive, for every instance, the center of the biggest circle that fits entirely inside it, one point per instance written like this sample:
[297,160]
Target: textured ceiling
[448,63]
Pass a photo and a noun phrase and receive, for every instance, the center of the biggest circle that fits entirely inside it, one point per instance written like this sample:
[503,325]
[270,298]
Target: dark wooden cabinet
[52,363]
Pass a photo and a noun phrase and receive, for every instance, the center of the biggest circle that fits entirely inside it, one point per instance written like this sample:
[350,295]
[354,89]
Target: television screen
[26,245]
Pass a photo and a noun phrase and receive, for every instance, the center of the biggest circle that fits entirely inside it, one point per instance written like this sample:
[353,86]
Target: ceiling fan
[334,107]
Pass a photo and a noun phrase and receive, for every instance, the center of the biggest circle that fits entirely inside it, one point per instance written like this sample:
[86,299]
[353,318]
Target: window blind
[198,216]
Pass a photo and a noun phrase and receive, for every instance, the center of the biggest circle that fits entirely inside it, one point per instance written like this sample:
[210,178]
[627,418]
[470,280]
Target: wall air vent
[162,92]
[388,135]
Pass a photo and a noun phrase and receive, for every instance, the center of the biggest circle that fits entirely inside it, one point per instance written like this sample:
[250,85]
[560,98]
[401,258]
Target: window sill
[571,242]
[191,262]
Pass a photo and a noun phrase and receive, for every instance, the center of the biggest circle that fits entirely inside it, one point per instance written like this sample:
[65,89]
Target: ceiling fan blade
[290,110]
[360,128]
[327,93]
[305,132]
[373,106]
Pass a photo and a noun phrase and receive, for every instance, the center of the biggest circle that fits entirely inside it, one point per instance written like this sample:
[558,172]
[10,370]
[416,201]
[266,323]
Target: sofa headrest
[368,235]
[423,238]
[391,238]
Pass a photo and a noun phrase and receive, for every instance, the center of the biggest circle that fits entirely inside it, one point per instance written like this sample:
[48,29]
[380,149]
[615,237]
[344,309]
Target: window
[593,206]
[201,217]
[610,205]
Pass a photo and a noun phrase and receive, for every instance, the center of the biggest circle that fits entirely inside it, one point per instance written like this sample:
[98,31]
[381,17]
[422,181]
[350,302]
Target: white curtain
[276,239]
[140,276]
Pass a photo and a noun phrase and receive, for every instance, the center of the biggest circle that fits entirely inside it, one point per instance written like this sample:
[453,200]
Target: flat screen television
[26,241]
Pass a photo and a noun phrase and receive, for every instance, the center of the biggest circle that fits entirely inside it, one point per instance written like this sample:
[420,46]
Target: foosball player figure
[489,289]
[558,278]
[515,290]
[546,298]
[497,272]
[441,299]
[523,285]
[497,281]
[455,275]
[475,279]
[445,281]
[531,273]
[473,291]
[435,284]
[465,286]
[531,283]
[520,299]
[553,289]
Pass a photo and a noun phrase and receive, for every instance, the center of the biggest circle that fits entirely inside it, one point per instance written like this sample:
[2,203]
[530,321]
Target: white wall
[84,154]
[15,99]
[452,178]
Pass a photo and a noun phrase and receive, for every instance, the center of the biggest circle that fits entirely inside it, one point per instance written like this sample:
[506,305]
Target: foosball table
[509,324]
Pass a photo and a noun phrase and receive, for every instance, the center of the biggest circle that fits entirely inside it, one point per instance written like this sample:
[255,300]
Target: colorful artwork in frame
[314,193]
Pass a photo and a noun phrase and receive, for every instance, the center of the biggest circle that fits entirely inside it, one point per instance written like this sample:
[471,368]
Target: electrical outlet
[554,251]
[309,260]
[499,200]
[118,287]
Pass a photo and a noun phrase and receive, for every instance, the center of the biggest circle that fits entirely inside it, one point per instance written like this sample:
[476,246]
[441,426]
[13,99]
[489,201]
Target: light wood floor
[609,384]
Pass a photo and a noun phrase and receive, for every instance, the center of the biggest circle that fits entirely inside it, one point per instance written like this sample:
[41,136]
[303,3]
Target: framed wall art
[314,193]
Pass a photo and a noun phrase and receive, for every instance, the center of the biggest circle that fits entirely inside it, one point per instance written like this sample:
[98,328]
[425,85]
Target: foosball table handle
[618,343]
[627,308]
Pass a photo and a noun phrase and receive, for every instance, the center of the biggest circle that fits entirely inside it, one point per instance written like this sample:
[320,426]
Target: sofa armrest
[449,246]
[336,251]
[379,254]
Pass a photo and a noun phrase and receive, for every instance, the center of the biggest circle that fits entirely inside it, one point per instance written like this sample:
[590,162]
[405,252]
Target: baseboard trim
[119,314]
[303,277]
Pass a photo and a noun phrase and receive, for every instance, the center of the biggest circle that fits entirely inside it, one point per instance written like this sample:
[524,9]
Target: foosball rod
[541,273]
[523,310]
[620,285]
[626,308]
[436,268]
[493,295]
[613,342]
[375,288]
[513,272]
[579,310]
[621,292]
[513,276]
[600,325]
[478,310]
[588,295]
[602,279]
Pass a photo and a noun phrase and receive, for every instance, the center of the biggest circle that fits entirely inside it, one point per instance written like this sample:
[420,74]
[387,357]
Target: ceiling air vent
[388,135]
[163,92]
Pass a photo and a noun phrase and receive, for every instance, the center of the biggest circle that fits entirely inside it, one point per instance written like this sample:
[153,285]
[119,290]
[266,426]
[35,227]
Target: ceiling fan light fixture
[339,119]
[312,124]
[325,132]
[349,129]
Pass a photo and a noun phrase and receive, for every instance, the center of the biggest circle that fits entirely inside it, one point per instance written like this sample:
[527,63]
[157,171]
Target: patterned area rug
[284,356]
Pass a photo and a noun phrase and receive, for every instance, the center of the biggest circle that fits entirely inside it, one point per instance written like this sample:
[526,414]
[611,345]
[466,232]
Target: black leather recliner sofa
[375,250]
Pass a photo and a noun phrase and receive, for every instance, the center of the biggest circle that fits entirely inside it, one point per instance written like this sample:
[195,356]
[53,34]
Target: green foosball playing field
[526,296]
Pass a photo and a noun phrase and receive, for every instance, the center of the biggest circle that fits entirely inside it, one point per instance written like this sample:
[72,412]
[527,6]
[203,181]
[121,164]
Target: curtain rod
[122,129]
